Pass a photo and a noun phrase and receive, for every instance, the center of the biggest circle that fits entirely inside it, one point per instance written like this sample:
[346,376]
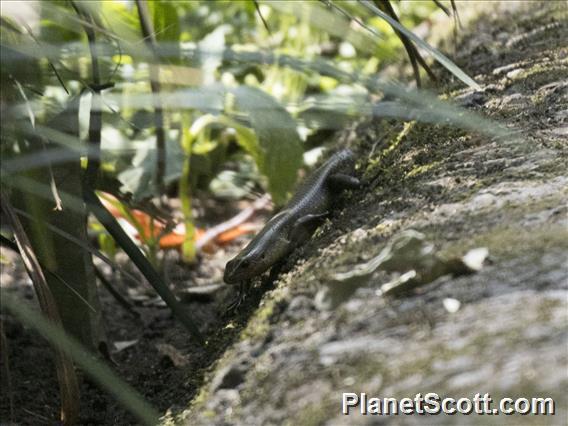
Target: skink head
[267,248]
[244,267]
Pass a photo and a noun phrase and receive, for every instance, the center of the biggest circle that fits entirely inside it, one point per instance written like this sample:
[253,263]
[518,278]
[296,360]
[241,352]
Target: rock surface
[502,330]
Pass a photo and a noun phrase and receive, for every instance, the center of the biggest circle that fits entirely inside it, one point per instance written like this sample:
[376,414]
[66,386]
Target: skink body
[297,221]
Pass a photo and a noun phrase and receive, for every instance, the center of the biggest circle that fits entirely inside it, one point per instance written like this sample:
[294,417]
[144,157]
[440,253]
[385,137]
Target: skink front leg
[340,181]
[304,227]
[242,293]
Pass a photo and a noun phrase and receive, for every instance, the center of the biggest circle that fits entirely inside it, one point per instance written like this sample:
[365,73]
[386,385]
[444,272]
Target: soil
[283,358]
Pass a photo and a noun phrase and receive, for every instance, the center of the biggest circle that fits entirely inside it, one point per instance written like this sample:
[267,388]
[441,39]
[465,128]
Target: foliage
[200,63]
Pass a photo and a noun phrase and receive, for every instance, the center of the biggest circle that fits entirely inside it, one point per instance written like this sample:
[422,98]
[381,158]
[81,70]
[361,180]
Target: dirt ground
[286,358]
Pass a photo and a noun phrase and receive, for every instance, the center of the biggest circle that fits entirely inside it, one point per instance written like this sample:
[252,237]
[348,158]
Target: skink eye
[245,263]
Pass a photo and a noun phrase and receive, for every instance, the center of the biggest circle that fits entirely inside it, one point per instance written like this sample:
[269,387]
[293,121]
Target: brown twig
[235,221]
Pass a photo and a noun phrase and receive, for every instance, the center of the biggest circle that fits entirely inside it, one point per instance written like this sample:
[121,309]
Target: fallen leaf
[174,355]
[120,346]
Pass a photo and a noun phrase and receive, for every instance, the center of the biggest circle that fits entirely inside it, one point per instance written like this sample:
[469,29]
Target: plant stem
[150,39]
[95,120]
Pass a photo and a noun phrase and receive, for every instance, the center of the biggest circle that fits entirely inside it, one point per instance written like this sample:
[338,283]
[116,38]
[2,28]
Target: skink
[297,221]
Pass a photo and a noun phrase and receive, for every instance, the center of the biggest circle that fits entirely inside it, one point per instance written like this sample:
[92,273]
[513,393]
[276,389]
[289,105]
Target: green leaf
[280,150]
[53,33]
[201,142]
[165,20]
[137,179]
[122,20]
[246,138]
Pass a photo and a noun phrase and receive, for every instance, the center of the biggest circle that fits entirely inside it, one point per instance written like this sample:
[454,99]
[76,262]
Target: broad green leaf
[204,146]
[122,20]
[246,138]
[137,179]
[165,20]
[280,150]
[53,33]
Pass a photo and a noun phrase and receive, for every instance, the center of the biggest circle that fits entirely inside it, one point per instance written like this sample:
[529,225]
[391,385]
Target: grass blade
[411,51]
[441,58]
[68,383]
[138,258]
[257,7]
[28,184]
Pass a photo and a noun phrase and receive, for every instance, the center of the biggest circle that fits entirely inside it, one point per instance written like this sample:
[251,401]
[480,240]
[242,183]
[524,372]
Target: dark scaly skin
[280,235]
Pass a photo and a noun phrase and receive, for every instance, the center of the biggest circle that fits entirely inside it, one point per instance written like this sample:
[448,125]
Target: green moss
[374,164]
[511,242]
[396,141]
[417,170]
[314,414]
[260,322]
[540,74]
